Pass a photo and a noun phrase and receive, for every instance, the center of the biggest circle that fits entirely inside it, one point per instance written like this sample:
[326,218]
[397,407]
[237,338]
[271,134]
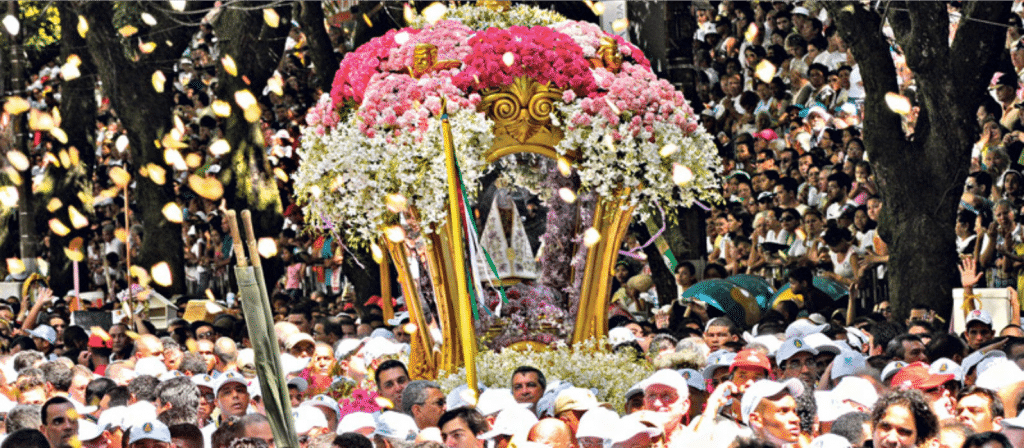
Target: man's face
[816,77]
[172,358]
[973,410]
[205,349]
[392,383]
[260,431]
[300,321]
[348,331]
[526,387]
[294,396]
[716,335]
[919,314]
[803,366]
[118,337]
[745,375]
[77,389]
[780,422]
[665,399]
[233,400]
[835,193]
[61,424]
[207,400]
[206,332]
[896,429]
[428,413]
[978,334]
[35,395]
[913,351]
[456,434]
[783,24]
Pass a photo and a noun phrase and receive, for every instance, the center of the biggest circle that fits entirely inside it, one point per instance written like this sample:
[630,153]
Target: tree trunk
[917,223]
[146,115]
[248,180]
[325,60]
[78,109]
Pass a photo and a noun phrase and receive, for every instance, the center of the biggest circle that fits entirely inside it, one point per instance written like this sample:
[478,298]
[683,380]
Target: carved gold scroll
[522,119]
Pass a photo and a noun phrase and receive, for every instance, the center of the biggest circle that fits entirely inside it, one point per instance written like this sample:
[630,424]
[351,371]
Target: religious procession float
[394,158]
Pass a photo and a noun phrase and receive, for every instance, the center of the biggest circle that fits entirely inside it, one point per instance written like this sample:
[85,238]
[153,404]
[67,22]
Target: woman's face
[789,222]
[1012,184]
[621,274]
[874,208]
[860,219]
[855,151]
[734,224]
[1004,216]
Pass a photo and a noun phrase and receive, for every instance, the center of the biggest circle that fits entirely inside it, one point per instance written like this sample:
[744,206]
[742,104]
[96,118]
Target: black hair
[388,365]
[474,419]
[530,369]
[925,421]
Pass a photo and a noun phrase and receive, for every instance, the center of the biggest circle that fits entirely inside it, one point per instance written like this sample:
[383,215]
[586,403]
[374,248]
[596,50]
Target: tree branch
[977,47]
[925,43]
[325,60]
[871,50]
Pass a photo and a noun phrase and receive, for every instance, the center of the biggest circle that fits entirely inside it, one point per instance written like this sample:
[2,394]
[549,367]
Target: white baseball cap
[848,362]
[511,421]
[946,365]
[153,430]
[598,422]
[628,428]
[803,327]
[693,378]
[667,377]
[355,421]
[822,343]
[396,425]
[717,360]
[307,418]
[619,335]
[857,390]
[228,378]
[979,316]
[494,400]
[791,347]
[764,389]
[325,402]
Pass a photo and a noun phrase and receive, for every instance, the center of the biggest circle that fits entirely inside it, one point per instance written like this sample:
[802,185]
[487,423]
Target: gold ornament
[495,5]
[611,220]
[424,60]
[422,360]
[522,119]
[608,56]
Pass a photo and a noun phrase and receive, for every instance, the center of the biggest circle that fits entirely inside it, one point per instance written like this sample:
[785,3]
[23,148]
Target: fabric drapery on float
[252,292]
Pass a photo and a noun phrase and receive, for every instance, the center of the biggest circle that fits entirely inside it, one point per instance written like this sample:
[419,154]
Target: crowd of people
[782,96]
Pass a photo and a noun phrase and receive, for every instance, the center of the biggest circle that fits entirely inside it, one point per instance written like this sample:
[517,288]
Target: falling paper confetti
[567,195]
[271,18]
[162,274]
[395,234]
[897,103]
[591,237]
[266,247]
[435,12]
